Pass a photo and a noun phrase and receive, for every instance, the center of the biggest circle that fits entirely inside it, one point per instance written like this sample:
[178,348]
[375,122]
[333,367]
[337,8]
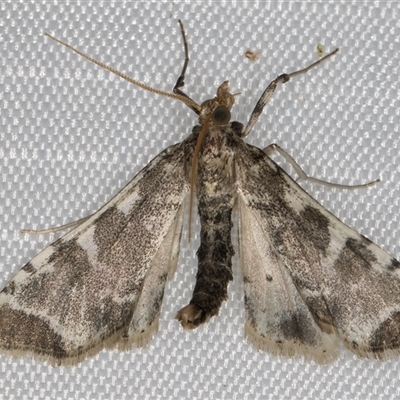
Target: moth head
[218,109]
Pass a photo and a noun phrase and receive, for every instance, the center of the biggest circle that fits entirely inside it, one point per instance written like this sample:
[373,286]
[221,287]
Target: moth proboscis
[309,280]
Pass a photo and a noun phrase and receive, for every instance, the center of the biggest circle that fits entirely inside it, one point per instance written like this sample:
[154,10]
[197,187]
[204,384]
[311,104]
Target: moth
[310,281]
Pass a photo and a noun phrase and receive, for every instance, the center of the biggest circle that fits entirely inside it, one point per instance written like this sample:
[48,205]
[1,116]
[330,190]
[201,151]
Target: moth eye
[221,115]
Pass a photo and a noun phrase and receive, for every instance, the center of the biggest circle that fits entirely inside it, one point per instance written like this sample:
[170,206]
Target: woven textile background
[72,134]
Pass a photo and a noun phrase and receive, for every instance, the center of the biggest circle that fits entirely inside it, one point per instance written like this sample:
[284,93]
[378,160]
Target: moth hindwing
[310,281]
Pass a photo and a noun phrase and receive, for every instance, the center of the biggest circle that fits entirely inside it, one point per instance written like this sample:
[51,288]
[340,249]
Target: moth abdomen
[214,262]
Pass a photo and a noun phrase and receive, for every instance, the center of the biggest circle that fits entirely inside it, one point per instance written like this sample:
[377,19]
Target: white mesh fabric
[71,134]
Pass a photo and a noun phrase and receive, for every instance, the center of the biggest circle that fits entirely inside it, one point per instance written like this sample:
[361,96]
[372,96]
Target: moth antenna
[183,99]
[193,170]
[56,228]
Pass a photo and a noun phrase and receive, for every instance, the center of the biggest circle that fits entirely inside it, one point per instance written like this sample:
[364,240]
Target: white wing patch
[277,319]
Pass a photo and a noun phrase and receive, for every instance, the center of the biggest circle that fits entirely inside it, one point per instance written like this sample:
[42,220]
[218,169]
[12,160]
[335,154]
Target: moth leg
[180,82]
[269,91]
[57,228]
[303,176]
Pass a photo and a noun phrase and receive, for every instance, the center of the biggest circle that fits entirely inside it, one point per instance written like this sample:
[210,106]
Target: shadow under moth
[310,281]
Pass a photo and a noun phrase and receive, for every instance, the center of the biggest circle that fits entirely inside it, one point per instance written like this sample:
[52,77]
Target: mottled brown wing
[102,284]
[310,279]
